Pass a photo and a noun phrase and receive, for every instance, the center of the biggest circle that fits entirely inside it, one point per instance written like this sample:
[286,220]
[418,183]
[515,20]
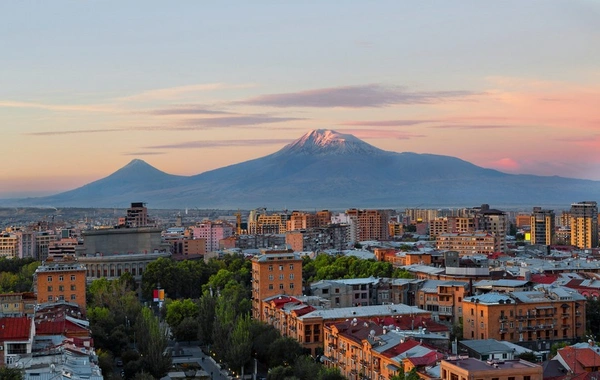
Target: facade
[274,272]
[301,221]
[16,338]
[61,281]
[264,224]
[529,317]
[213,232]
[442,298]
[493,221]
[9,245]
[543,226]
[482,243]
[112,241]
[137,216]
[353,292]
[371,224]
[17,304]
[113,266]
[438,226]
[465,368]
[584,224]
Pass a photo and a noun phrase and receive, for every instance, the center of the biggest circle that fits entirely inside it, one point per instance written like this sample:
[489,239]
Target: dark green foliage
[284,351]
[10,373]
[592,314]
[331,374]
[327,267]
[280,373]
[17,276]
[529,356]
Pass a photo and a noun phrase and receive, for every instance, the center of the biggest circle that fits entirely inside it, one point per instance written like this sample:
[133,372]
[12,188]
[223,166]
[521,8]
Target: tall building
[371,224]
[213,232]
[584,224]
[9,245]
[137,216]
[493,221]
[61,281]
[542,224]
[301,221]
[274,272]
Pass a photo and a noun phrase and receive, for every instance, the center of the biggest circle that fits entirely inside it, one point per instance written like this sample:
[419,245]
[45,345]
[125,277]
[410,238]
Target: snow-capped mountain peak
[326,141]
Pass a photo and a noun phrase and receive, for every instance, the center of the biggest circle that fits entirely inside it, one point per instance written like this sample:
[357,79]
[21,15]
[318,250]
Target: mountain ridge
[327,169]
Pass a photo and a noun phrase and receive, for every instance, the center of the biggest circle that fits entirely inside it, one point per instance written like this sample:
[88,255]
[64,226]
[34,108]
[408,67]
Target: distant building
[9,245]
[371,224]
[17,304]
[543,229]
[213,232]
[481,243]
[584,224]
[121,241]
[493,221]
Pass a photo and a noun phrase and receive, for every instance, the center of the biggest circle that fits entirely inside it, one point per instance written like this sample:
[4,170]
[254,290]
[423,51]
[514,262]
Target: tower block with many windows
[275,272]
[61,281]
[584,224]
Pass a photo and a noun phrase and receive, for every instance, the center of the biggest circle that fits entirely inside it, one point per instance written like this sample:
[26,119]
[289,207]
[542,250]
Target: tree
[10,373]
[529,356]
[105,361]
[206,317]
[153,339]
[331,374]
[280,373]
[178,310]
[557,346]
[187,330]
[240,344]
[306,368]
[284,351]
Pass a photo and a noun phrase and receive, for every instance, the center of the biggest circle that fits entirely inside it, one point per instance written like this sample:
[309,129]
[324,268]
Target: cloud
[176,92]
[142,153]
[481,127]
[74,132]
[57,107]
[233,121]
[187,110]
[506,164]
[359,96]
[385,123]
[382,134]
[219,143]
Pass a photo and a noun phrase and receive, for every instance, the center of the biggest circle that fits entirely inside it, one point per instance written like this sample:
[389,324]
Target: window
[49,278]
[472,312]
[291,266]
[72,287]
[271,277]
[61,288]
[49,298]
[281,267]
[291,285]
[50,288]
[73,297]
[526,377]
[61,298]
[281,276]
[281,286]
[270,268]
[270,286]
[481,313]
[291,276]
[60,278]
[72,277]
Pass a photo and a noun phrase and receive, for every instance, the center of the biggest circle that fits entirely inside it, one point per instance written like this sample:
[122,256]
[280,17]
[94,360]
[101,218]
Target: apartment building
[17,304]
[547,315]
[493,221]
[543,226]
[9,245]
[371,224]
[61,281]
[482,243]
[301,221]
[584,224]
[465,368]
[442,298]
[212,232]
[274,272]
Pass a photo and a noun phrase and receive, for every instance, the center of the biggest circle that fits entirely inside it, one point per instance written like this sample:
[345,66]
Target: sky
[190,86]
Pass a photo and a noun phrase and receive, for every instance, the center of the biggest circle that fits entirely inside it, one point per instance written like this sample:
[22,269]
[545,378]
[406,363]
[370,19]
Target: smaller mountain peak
[136,162]
[328,141]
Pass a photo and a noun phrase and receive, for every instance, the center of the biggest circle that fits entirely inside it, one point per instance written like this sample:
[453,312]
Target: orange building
[381,253]
[295,239]
[323,218]
[61,281]
[361,349]
[465,368]
[442,298]
[274,272]
[301,221]
[529,316]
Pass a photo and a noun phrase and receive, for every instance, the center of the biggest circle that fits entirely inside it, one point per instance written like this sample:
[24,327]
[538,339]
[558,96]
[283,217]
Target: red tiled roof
[15,328]
[305,310]
[546,279]
[578,359]
[59,327]
[399,349]
[426,360]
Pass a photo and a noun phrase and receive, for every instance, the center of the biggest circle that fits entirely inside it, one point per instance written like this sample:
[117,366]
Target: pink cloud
[505,164]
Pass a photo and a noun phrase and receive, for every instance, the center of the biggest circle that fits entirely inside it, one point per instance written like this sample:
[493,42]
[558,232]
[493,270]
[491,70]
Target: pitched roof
[14,328]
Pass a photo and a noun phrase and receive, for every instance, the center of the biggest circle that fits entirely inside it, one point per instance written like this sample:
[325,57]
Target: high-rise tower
[542,226]
[584,224]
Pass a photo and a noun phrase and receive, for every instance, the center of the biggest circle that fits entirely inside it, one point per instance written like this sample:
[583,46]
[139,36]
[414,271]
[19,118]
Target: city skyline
[190,87]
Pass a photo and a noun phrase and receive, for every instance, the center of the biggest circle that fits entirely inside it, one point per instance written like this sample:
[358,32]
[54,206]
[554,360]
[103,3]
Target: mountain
[327,169]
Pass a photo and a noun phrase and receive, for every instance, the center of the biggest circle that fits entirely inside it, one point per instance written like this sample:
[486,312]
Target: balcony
[502,319]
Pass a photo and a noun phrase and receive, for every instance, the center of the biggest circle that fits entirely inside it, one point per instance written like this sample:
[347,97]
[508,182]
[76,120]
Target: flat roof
[472,364]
